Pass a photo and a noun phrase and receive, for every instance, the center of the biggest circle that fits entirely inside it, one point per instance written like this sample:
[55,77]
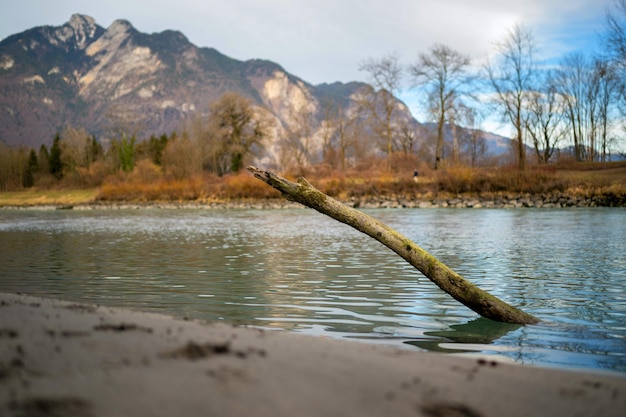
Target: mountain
[83,75]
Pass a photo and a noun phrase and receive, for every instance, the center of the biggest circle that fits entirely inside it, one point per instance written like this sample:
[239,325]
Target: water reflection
[300,271]
[480,331]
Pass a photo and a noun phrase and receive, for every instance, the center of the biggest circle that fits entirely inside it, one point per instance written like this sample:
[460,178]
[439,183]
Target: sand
[61,358]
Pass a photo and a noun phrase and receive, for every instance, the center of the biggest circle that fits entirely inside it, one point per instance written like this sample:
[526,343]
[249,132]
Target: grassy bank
[34,197]
[592,179]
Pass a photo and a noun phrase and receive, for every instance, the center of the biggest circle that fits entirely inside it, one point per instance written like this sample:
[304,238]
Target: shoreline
[67,358]
[497,201]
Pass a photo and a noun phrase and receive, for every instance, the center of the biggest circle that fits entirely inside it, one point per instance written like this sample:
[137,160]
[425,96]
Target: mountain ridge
[83,75]
[75,66]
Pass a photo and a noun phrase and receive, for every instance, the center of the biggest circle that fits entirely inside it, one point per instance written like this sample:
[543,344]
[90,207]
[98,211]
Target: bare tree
[443,72]
[331,114]
[207,146]
[13,162]
[380,101]
[612,99]
[234,130]
[610,86]
[453,119]
[474,144]
[589,90]
[512,76]
[546,123]
[616,33]
[74,146]
[339,134]
[181,159]
[572,76]
[349,130]
[407,137]
[298,143]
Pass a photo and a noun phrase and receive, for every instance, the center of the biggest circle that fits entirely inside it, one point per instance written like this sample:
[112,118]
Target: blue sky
[326,40]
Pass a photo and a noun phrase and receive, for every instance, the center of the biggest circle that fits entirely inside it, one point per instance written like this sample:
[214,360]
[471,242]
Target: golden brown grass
[38,197]
[156,191]
[606,179]
[205,188]
[464,180]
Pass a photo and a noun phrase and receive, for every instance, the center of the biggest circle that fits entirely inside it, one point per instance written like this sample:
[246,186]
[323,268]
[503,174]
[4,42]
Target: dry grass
[591,179]
[161,190]
[36,197]
[200,188]
[595,173]
[244,185]
[603,179]
[466,181]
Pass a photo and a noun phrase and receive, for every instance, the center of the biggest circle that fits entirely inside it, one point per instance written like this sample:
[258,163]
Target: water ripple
[300,271]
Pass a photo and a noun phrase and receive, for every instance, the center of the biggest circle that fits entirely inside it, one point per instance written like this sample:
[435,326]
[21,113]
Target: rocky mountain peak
[119,26]
[84,25]
[80,30]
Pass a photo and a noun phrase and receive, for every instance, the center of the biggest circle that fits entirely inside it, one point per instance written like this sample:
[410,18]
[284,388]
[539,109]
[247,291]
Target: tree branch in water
[445,278]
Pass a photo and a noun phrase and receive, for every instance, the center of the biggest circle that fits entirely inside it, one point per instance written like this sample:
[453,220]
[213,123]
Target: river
[297,270]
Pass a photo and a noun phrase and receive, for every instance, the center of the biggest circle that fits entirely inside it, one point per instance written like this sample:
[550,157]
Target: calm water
[301,271]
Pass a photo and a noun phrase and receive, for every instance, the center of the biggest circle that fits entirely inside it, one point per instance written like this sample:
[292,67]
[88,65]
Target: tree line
[579,103]
[219,144]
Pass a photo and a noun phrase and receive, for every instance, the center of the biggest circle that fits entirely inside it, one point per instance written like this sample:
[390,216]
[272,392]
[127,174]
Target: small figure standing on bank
[415,175]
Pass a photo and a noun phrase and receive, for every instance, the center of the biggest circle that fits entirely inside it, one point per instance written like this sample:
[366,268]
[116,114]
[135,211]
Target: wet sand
[61,358]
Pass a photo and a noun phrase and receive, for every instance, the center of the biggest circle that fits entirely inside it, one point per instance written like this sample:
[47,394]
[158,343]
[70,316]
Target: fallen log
[445,278]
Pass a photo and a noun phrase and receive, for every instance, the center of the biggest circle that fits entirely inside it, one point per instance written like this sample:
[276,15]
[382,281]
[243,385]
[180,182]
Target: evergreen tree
[156,147]
[93,150]
[32,167]
[43,160]
[126,153]
[55,162]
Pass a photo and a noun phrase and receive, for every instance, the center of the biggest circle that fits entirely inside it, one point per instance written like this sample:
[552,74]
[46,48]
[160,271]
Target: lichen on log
[455,285]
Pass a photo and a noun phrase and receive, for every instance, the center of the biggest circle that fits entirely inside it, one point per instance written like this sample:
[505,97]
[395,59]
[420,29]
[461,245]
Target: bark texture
[445,278]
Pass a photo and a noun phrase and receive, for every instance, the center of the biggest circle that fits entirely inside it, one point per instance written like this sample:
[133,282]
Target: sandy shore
[65,359]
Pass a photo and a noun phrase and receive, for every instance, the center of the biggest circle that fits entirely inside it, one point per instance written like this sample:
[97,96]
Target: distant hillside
[84,75]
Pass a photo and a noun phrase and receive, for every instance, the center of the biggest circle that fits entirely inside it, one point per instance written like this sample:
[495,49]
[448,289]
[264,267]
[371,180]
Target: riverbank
[555,186]
[63,358]
[501,201]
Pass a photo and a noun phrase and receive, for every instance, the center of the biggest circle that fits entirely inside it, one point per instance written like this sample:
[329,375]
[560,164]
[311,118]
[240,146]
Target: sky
[323,41]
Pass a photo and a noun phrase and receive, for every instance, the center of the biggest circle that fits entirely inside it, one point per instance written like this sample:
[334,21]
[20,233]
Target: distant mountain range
[83,75]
